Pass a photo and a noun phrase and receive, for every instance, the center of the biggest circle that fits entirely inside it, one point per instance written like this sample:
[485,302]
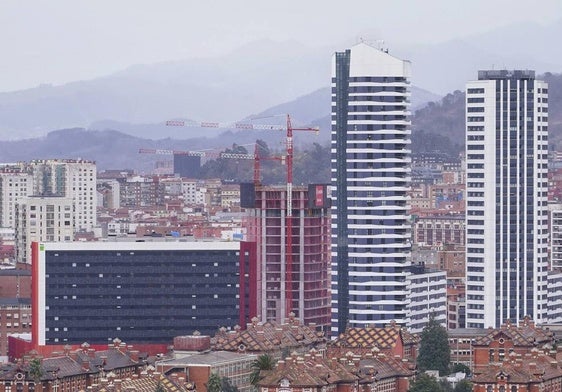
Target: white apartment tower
[14,185]
[70,178]
[506,203]
[370,172]
[42,219]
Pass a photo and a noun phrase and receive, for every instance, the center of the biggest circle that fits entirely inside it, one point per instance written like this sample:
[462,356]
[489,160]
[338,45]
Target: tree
[460,367]
[214,384]
[435,353]
[159,388]
[263,362]
[425,383]
[227,386]
[35,370]
[463,386]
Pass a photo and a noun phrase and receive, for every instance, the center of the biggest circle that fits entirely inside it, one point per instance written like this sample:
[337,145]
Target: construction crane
[221,155]
[289,212]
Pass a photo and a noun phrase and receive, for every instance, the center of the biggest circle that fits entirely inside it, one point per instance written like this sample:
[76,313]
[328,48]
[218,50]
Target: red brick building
[531,372]
[15,304]
[516,358]
[521,339]
[72,371]
[313,372]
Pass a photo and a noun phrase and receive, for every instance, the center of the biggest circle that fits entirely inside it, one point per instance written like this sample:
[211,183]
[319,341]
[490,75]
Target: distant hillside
[437,126]
[116,150]
[445,119]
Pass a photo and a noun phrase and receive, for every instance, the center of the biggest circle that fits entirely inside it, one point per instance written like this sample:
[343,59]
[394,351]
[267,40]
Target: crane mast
[289,204]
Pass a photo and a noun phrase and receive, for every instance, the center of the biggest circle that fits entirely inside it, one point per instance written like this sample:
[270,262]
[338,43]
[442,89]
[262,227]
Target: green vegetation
[463,386]
[310,165]
[263,362]
[214,384]
[459,367]
[435,353]
[425,383]
[227,386]
[35,370]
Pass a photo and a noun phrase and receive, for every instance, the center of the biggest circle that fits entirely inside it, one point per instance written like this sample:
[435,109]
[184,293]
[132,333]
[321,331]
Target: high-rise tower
[506,211]
[371,160]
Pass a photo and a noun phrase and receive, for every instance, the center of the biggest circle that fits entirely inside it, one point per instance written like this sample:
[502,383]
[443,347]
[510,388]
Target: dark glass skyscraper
[371,161]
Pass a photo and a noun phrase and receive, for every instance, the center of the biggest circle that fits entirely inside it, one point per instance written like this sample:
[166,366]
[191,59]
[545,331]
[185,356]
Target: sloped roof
[308,371]
[268,336]
[526,334]
[111,359]
[143,384]
[385,367]
[384,338]
[536,367]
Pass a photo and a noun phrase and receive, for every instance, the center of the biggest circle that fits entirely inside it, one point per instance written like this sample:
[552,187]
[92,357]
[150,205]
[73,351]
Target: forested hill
[441,125]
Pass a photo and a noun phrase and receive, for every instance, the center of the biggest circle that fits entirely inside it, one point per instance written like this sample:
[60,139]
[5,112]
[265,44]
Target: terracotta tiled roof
[307,371]
[269,336]
[146,383]
[535,367]
[385,367]
[384,338]
[526,334]
[312,370]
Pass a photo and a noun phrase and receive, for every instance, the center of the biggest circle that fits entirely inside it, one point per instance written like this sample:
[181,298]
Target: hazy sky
[57,41]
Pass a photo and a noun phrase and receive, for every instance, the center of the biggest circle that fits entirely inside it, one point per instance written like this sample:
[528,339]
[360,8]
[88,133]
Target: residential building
[371,176]
[555,236]
[506,203]
[14,185]
[145,292]
[439,230]
[74,179]
[290,278]
[427,297]
[43,218]
[554,297]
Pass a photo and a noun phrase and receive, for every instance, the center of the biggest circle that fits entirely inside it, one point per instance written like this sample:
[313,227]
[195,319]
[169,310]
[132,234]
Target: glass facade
[138,296]
[370,180]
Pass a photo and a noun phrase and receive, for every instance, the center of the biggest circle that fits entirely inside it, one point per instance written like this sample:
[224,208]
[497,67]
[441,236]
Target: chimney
[134,355]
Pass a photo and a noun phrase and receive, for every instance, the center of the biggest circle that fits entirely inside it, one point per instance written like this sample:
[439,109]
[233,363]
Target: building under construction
[291,273]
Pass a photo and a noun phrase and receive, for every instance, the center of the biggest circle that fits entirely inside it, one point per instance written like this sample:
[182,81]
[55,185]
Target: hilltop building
[506,202]
[371,177]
